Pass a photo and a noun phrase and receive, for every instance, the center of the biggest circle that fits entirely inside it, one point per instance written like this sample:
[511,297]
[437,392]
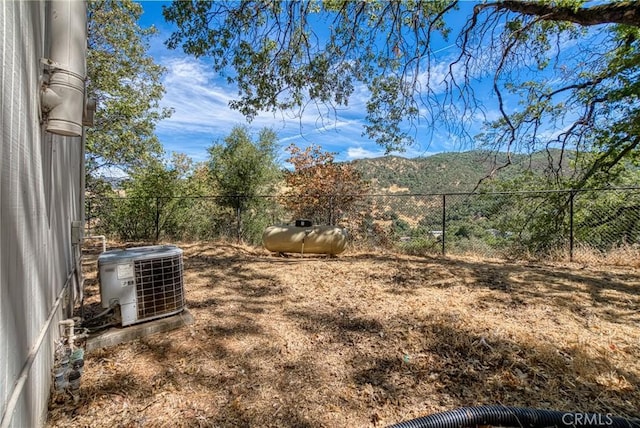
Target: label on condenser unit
[125,270]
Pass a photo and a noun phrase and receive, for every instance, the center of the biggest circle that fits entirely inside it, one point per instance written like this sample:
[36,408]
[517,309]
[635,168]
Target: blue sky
[200,98]
[201,113]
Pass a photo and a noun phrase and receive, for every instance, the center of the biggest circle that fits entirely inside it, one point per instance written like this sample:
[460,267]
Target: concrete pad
[117,335]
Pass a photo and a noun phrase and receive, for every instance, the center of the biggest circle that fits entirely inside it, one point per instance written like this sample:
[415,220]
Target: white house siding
[40,195]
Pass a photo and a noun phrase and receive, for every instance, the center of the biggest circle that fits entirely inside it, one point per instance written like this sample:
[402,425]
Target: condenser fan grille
[159,288]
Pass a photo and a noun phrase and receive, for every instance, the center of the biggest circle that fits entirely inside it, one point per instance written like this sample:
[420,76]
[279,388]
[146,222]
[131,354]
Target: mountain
[445,172]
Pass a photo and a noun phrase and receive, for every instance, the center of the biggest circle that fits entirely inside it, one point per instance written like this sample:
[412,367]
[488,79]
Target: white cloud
[361,153]
[181,69]
[200,99]
[200,103]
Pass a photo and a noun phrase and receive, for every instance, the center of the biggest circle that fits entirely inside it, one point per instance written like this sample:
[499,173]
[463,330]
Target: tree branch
[626,12]
[601,163]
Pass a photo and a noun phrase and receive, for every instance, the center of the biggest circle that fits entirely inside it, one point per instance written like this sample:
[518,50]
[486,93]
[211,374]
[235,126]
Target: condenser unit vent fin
[159,288]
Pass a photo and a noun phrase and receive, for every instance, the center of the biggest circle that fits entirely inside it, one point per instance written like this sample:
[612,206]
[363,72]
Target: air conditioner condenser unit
[146,282]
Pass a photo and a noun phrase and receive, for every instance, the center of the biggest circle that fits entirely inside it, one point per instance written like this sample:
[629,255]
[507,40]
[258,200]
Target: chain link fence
[510,224]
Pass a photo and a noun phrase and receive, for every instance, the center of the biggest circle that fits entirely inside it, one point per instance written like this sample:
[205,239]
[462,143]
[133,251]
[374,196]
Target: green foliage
[540,222]
[606,220]
[242,170]
[421,246]
[153,206]
[389,106]
[242,167]
[511,217]
[125,82]
[594,97]
[159,201]
[453,172]
[174,200]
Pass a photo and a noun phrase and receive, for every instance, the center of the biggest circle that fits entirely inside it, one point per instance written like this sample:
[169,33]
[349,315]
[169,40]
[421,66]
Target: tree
[126,84]
[586,104]
[243,171]
[320,189]
[156,202]
[575,68]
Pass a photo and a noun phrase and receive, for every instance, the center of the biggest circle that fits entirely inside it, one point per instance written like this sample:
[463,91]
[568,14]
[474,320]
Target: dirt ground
[368,339]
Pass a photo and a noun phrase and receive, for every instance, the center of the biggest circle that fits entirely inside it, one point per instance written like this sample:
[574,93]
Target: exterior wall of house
[41,193]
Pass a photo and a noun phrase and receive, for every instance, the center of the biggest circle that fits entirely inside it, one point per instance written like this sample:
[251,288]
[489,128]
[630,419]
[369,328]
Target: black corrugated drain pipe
[470,417]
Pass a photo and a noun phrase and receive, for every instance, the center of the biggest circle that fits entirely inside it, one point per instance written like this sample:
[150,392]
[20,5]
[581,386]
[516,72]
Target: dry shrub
[621,255]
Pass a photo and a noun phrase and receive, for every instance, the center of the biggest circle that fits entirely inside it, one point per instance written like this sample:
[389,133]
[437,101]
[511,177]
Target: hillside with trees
[558,74]
[452,172]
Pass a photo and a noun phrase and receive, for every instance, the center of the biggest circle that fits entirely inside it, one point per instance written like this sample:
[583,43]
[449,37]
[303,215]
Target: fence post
[444,223]
[571,237]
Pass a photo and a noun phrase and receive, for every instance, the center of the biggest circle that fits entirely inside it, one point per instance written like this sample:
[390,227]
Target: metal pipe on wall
[103,238]
[7,416]
[63,98]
